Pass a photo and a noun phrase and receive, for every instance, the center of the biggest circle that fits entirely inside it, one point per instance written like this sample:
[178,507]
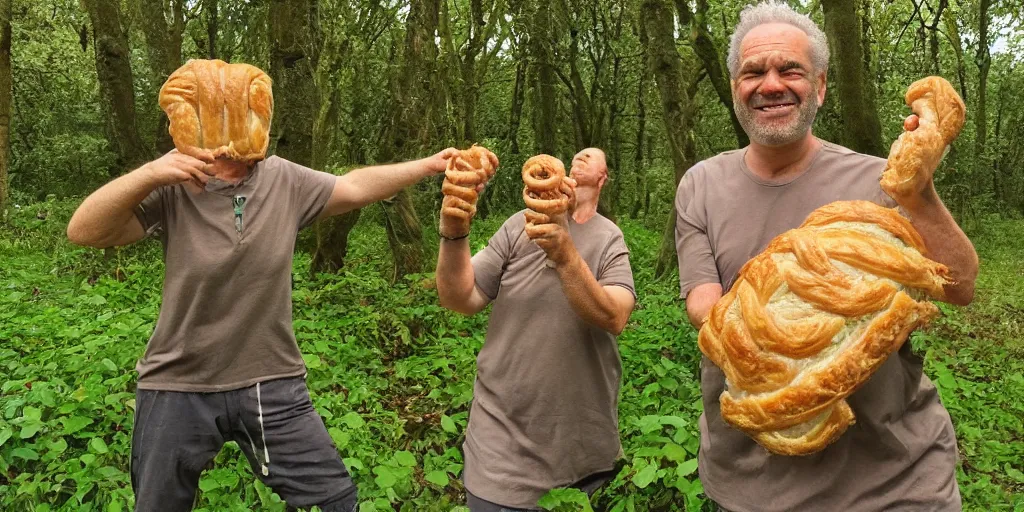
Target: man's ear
[822,85]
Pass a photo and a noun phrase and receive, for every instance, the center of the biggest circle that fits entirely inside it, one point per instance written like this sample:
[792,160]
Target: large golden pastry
[219,109]
[545,190]
[812,317]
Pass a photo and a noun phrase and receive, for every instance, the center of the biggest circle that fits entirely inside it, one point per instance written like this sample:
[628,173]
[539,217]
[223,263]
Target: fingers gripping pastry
[545,192]
[464,174]
[915,155]
[219,109]
[812,317]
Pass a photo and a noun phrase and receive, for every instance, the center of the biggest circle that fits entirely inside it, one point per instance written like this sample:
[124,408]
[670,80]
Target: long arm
[367,185]
[946,244]
[456,284]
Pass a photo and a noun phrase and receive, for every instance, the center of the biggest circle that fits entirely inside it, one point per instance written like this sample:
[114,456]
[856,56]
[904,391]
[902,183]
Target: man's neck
[586,204]
[773,163]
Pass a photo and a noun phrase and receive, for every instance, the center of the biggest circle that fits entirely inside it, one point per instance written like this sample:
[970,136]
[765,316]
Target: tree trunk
[863,132]
[295,98]
[114,71]
[949,18]
[411,128]
[210,7]
[677,106]
[6,83]
[545,113]
[516,113]
[984,62]
[163,45]
[707,51]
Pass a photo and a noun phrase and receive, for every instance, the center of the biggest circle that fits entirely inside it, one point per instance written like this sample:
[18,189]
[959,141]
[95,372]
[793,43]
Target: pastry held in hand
[915,155]
[811,318]
[465,174]
[546,192]
[219,109]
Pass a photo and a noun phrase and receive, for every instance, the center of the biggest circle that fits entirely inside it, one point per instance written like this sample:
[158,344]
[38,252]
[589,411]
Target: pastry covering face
[219,109]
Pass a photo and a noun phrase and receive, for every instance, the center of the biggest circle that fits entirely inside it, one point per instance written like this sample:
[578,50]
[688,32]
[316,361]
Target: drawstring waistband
[265,463]
[263,435]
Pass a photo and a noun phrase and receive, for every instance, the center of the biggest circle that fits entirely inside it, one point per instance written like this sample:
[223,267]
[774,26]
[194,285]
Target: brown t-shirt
[545,403]
[901,453]
[226,316]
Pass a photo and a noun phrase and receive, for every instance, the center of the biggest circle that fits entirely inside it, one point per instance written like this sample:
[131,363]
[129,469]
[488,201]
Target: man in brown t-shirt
[901,452]
[545,403]
[223,364]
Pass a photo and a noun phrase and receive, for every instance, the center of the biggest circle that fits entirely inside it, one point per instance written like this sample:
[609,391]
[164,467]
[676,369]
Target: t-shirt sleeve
[312,191]
[152,210]
[693,247]
[489,264]
[615,269]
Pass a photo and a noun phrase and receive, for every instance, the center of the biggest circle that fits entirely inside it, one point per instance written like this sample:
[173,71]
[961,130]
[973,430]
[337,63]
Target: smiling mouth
[775,108]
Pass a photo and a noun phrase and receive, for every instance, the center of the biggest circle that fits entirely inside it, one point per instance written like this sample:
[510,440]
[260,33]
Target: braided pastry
[812,317]
[220,109]
[546,192]
[915,155]
[465,172]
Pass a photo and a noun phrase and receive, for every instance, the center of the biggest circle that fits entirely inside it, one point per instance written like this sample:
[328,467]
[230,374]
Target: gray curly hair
[772,11]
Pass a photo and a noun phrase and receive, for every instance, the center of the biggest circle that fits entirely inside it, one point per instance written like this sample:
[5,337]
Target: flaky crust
[812,317]
[219,109]
[916,153]
[545,192]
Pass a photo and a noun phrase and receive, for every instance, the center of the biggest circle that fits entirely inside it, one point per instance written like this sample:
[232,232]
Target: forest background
[359,82]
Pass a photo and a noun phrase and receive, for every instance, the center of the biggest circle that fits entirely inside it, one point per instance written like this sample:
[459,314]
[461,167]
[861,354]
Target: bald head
[589,168]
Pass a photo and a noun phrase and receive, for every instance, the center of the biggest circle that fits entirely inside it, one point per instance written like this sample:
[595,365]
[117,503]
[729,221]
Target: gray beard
[773,134]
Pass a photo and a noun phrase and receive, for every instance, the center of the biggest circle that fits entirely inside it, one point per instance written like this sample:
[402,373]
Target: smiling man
[901,453]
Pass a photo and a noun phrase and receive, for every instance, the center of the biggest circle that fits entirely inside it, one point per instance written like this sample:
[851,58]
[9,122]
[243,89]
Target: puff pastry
[220,109]
[546,192]
[812,317]
[915,155]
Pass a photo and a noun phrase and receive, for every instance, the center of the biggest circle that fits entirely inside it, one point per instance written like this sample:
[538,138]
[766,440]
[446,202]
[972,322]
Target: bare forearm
[455,279]
[947,244]
[100,219]
[588,298]
[371,184]
[700,301]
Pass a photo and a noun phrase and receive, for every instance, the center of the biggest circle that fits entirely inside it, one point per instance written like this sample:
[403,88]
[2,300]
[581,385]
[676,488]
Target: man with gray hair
[901,453]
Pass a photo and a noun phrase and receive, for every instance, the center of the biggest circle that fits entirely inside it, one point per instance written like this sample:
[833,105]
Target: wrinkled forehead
[775,44]
[590,154]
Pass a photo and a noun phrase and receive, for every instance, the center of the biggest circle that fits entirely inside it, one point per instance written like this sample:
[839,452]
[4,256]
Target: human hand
[174,168]
[551,234]
[437,163]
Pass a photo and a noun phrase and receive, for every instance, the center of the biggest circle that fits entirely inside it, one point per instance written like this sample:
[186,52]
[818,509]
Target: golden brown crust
[543,176]
[219,109]
[812,317]
[465,171]
[915,155]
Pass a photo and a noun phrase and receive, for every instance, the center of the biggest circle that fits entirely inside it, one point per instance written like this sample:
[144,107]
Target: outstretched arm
[361,187]
[456,282]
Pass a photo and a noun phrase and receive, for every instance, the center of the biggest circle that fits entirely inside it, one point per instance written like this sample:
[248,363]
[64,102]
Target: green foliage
[391,373]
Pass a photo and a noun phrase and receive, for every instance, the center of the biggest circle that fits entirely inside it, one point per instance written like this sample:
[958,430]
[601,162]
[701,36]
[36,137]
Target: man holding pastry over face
[806,266]
[544,412]
[222,363]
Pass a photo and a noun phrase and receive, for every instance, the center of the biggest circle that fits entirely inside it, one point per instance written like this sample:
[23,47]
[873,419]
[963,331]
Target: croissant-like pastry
[915,155]
[219,109]
[813,316]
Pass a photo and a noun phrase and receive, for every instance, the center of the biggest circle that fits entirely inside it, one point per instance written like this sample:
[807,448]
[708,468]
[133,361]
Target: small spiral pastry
[543,193]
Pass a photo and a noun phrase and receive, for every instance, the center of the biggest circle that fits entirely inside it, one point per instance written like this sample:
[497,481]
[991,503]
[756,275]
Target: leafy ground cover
[391,373]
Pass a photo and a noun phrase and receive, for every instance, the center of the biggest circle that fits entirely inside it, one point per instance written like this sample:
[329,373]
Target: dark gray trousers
[176,435]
